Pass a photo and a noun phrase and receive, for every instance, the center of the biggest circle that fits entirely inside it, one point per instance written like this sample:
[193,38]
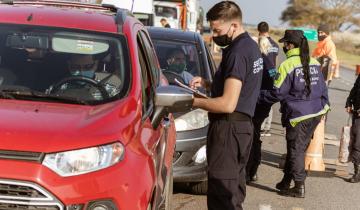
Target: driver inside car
[85,66]
[176,62]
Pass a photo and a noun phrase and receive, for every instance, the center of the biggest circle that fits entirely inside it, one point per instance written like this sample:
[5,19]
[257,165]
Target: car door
[161,143]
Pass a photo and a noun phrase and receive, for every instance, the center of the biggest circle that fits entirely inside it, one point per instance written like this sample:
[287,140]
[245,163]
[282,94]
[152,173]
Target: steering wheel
[171,76]
[73,79]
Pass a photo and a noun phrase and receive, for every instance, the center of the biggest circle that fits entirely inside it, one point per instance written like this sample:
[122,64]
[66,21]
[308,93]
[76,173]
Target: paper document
[196,92]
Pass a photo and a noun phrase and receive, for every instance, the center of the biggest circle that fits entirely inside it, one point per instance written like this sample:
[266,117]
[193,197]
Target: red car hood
[49,127]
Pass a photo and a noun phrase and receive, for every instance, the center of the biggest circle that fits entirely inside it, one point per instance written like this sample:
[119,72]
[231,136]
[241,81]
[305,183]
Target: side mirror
[169,99]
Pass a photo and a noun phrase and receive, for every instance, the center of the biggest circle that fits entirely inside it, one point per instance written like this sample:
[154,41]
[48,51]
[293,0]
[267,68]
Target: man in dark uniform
[262,111]
[235,90]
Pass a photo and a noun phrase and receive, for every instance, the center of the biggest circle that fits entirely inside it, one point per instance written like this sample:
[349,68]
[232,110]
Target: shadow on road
[270,158]
[262,187]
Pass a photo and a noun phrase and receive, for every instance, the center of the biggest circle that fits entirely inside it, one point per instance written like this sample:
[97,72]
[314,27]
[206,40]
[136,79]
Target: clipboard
[195,92]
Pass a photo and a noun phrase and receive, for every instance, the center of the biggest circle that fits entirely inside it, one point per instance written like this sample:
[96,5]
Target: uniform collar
[235,40]
[293,52]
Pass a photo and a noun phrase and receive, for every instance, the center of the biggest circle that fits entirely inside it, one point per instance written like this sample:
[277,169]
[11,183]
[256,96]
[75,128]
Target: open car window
[77,65]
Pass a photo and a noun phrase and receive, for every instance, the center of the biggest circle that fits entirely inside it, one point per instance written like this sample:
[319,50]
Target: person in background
[353,106]
[164,23]
[234,92]
[269,50]
[273,51]
[326,48]
[302,92]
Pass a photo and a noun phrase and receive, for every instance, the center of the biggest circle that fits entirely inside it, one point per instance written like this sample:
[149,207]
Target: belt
[235,116]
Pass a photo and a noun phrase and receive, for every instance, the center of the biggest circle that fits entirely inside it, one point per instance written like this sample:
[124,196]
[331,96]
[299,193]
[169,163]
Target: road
[326,190]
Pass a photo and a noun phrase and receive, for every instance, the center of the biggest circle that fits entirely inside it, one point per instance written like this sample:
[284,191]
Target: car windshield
[58,65]
[178,57]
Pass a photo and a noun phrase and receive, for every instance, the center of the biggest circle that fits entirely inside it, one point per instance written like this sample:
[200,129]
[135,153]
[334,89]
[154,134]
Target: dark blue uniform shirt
[270,71]
[241,60]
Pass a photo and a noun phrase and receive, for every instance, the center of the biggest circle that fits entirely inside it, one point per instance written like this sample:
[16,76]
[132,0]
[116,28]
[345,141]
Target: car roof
[59,14]
[173,34]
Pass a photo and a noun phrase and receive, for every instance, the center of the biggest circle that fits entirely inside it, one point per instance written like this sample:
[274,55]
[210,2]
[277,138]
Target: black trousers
[355,144]
[255,152]
[297,141]
[228,149]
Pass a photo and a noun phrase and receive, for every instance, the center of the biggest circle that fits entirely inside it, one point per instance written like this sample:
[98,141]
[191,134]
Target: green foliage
[311,13]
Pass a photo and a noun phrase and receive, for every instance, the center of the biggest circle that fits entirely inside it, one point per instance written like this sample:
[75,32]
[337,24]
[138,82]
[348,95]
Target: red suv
[84,109]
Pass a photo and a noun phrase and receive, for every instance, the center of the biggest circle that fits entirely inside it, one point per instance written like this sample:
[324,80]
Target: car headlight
[195,119]
[71,163]
[200,156]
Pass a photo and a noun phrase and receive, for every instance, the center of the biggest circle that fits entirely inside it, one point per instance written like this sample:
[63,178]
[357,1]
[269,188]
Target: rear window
[79,65]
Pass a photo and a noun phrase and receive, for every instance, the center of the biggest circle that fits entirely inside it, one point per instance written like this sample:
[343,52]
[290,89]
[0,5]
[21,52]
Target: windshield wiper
[26,94]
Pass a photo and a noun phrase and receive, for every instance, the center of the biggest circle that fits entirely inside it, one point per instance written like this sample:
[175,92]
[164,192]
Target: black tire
[199,188]
[167,205]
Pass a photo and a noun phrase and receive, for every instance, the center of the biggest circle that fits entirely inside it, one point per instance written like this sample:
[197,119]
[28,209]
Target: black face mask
[223,40]
[322,37]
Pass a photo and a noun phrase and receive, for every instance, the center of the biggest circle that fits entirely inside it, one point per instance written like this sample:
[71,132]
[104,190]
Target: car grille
[20,155]
[4,206]
[21,195]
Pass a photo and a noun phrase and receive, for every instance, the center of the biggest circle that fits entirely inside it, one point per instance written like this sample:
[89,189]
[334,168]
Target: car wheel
[199,188]
[167,204]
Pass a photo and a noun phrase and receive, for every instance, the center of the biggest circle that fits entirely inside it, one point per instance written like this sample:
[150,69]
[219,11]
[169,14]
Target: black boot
[284,184]
[298,191]
[356,177]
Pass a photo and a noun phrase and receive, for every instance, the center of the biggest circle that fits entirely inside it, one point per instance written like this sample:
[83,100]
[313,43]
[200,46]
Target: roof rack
[120,14]
[120,17]
[55,3]
[6,1]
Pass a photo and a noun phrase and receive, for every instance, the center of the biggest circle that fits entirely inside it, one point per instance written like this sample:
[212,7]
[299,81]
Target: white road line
[265,207]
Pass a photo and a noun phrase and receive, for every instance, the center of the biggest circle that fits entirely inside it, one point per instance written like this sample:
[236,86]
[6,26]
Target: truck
[143,10]
[180,14]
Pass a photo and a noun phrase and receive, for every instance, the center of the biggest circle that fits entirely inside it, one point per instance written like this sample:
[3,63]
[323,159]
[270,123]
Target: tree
[338,14]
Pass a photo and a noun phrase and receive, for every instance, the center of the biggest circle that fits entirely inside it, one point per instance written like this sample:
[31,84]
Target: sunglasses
[82,66]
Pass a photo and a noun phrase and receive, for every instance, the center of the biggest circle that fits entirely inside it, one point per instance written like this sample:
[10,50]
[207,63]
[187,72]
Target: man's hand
[348,109]
[197,82]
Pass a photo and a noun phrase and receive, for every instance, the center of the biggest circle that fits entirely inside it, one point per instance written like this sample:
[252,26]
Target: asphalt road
[326,190]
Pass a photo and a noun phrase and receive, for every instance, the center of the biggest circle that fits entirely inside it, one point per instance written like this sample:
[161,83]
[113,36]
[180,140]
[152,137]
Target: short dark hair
[263,27]
[225,10]
[162,20]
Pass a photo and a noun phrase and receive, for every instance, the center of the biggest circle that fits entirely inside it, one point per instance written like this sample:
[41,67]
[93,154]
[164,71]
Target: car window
[171,54]
[163,11]
[151,57]
[84,66]
[147,87]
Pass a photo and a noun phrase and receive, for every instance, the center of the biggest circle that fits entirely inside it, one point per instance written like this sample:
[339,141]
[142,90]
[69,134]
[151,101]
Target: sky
[255,11]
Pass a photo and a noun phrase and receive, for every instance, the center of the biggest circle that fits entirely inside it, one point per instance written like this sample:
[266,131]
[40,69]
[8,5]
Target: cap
[293,36]
[324,28]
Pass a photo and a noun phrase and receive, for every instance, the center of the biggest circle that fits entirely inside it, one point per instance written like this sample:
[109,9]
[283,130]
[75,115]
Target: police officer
[353,106]
[302,92]
[269,51]
[235,90]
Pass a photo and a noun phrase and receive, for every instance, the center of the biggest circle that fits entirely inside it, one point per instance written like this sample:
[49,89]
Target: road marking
[265,207]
